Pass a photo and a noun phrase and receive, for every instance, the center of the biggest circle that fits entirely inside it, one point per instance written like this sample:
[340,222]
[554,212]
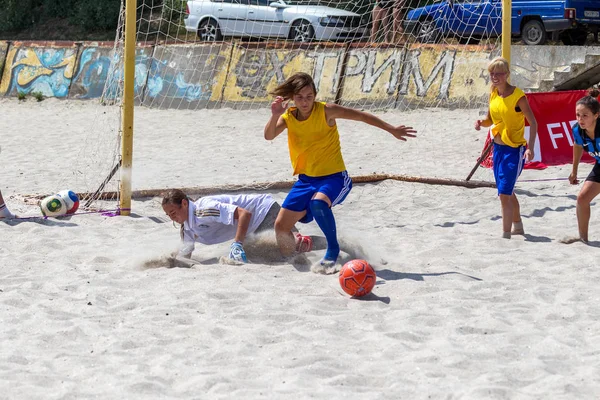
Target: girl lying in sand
[217,219]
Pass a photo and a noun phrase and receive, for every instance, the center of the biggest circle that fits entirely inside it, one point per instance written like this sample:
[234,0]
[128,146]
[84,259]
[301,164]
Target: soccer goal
[204,66]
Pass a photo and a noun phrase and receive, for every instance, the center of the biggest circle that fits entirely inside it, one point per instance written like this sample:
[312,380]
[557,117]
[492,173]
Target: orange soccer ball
[357,278]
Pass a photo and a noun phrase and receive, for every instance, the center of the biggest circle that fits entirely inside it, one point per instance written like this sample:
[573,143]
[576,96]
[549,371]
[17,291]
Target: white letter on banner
[569,138]
[537,153]
[554,135]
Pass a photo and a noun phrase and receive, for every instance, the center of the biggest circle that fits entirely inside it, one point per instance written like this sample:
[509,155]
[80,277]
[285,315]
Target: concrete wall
[256,70]
[45,67]
[3,49]
[174,81]
[92,71]
[532,64]
[241,75]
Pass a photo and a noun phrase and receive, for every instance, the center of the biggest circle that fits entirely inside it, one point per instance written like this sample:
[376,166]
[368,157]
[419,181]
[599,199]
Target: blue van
[532,20]
[587,16]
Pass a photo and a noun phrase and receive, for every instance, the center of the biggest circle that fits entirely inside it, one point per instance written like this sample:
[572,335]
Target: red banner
[555,115]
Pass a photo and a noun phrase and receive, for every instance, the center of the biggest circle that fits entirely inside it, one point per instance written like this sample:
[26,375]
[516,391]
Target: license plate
[592,14]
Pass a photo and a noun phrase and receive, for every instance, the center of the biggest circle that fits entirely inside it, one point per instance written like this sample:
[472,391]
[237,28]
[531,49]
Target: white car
[214,19]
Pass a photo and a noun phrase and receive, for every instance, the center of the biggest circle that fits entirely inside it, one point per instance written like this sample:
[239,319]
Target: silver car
[214,19]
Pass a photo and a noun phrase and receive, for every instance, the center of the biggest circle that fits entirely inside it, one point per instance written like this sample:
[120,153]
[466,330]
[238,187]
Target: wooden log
[283,185]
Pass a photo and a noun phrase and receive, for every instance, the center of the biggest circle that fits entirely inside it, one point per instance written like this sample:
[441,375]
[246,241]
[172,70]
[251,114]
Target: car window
[236,1]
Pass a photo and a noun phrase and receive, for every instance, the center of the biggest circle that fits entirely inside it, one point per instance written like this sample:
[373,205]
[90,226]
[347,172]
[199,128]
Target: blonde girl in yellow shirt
[508,109]
[316,157]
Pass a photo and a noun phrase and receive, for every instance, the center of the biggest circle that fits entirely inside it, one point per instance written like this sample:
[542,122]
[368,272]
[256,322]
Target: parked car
[214,19]
[471,20]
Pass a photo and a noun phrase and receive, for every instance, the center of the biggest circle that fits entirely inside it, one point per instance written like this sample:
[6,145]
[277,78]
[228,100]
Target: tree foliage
[88,14]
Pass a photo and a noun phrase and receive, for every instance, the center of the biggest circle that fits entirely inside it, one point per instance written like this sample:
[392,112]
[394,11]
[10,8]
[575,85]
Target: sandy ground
[457,312]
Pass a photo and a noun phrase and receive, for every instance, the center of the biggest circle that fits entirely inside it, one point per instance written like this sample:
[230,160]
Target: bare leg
[379,15]
[284,224]
[398,14]
[589,191]
[507,214]
[517,222]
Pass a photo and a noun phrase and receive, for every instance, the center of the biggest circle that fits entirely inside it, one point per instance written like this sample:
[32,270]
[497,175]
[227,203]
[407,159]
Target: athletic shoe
[303,243]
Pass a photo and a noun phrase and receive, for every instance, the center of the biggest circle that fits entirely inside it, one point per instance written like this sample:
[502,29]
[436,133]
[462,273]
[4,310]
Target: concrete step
[546,85]
[580,75]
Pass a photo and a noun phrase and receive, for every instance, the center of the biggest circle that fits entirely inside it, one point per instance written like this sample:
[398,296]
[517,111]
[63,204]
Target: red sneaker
[303,243]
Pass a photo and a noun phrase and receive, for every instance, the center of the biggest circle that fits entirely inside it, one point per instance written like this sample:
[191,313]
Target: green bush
[172,15]
[96,15]
[88,14]
[16,14]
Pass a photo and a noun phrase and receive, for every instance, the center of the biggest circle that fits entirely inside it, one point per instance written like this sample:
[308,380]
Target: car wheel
[427,32]
[302,31]
[533,33]
[209,31]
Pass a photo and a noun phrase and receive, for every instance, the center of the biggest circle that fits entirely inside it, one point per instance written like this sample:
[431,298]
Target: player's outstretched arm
[334,111]
[276,124]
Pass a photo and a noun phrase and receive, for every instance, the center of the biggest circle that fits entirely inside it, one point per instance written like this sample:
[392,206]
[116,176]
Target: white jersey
[211,219]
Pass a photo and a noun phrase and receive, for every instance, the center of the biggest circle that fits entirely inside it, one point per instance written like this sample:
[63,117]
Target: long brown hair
[175,196]
[591,101]
[294,84]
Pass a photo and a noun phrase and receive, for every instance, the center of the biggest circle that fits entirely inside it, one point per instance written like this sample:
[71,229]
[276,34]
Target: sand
[89,309]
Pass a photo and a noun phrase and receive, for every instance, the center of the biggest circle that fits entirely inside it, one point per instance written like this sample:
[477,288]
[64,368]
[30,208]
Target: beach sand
[88,308]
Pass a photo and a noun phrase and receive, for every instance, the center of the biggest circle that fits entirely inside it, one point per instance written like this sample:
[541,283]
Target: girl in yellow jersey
[316,157]
[508,109]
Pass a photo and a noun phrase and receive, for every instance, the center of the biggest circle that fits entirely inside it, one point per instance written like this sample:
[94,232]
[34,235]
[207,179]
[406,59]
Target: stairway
[579,76]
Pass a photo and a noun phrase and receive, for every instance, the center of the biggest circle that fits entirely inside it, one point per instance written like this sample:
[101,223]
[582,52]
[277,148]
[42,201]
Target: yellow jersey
[314,145]
[508,123]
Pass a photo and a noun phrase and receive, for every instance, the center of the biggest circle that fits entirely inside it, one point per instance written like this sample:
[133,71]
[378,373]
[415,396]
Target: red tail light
[570,13]
[187,9]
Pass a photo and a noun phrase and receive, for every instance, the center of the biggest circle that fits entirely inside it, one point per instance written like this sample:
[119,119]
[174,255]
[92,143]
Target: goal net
[205,68]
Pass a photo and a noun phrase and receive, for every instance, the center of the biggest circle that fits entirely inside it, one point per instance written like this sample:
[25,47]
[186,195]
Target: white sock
[5,212]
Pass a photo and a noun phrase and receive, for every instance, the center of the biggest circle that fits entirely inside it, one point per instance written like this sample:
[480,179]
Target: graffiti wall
[447,77]
[255,71]
[175,81]
[45,68]
[92,71]
[241,75]
[372,76]
[3,49]
[114,81]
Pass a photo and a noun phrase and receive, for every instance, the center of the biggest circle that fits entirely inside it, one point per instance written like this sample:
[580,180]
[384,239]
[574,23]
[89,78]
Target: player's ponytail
[591,101]
[293,85]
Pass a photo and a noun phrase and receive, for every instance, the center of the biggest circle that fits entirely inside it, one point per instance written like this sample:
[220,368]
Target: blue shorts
[335,186]
[508,164]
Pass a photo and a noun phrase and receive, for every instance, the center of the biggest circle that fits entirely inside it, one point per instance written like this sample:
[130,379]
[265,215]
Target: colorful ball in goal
[71,200]
[53,206]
